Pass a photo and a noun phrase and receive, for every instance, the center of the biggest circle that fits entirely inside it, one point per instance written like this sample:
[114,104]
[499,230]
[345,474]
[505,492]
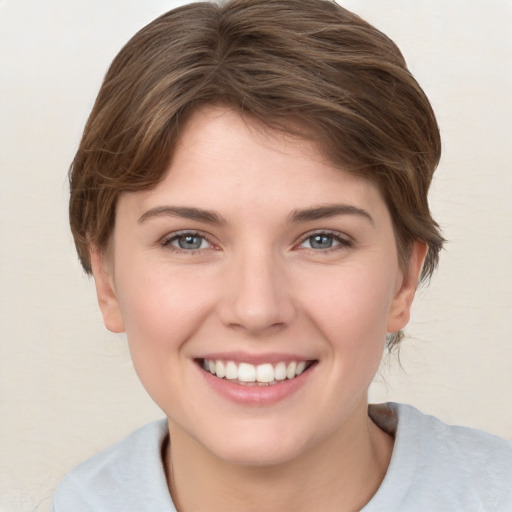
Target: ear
[400,311]
[106,292]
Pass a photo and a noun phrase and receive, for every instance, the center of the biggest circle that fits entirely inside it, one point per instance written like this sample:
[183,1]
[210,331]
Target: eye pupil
[190,242]
[321,241]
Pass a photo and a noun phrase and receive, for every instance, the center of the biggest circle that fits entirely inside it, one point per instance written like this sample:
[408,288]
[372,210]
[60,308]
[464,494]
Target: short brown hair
[287,63]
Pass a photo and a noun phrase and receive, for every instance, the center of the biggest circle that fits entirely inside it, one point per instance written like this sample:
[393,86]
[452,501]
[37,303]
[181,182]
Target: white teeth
[280,371]
[231,370]
[245,372]
[290,370]
[300,368]
[265,373]
[220,370]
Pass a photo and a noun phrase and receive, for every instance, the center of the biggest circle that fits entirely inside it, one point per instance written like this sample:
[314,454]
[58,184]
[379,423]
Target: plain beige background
[67,387]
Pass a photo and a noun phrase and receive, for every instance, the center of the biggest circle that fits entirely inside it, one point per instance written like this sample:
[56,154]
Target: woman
[250,195]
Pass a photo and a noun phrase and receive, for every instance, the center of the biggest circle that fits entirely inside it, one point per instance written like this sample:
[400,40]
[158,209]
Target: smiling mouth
[247,374]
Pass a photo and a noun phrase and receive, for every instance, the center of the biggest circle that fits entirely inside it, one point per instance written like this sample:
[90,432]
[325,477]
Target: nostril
[255,297]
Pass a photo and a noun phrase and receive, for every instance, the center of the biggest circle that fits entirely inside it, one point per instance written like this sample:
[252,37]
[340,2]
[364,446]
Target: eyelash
[342,242]
[167,241]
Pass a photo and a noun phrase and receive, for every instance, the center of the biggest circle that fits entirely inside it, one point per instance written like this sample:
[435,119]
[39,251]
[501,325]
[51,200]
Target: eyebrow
[326,211]
[184,212]
[295,217]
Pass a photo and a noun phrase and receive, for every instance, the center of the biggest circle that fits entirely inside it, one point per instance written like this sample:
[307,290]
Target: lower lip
[257,395]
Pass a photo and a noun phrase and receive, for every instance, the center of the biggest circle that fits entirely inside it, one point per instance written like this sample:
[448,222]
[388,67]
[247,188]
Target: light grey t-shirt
[434,468]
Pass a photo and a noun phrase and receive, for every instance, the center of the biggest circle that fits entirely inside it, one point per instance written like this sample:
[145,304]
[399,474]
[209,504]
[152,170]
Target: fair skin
[255,251]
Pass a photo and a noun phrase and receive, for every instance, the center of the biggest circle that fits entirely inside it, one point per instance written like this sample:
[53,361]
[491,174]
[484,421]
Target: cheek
[348,310]
[161,311]
[351,309]
[155,296]
[352,303]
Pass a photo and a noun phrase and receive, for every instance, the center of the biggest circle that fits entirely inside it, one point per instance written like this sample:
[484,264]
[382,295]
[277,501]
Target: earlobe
[105,291]
[401,307]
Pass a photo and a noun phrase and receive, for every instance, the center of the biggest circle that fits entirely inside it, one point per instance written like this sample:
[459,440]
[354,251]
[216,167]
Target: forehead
[225,161]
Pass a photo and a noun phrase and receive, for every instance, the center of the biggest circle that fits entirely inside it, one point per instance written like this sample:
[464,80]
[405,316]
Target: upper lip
[255,359]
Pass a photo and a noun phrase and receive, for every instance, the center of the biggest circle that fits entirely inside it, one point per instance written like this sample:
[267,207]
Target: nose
[257,295]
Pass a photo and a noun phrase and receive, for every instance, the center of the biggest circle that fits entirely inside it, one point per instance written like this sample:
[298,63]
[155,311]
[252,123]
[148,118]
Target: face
[256,284]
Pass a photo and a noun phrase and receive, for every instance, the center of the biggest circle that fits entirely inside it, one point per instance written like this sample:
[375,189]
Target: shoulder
[442,465]
[466,448]
[127,476]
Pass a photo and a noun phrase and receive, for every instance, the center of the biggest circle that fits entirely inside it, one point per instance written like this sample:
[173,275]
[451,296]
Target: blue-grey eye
[321,241]
[190,242]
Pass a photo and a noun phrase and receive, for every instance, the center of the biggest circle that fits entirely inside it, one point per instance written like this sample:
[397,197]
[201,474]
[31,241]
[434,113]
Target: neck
[340,474]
